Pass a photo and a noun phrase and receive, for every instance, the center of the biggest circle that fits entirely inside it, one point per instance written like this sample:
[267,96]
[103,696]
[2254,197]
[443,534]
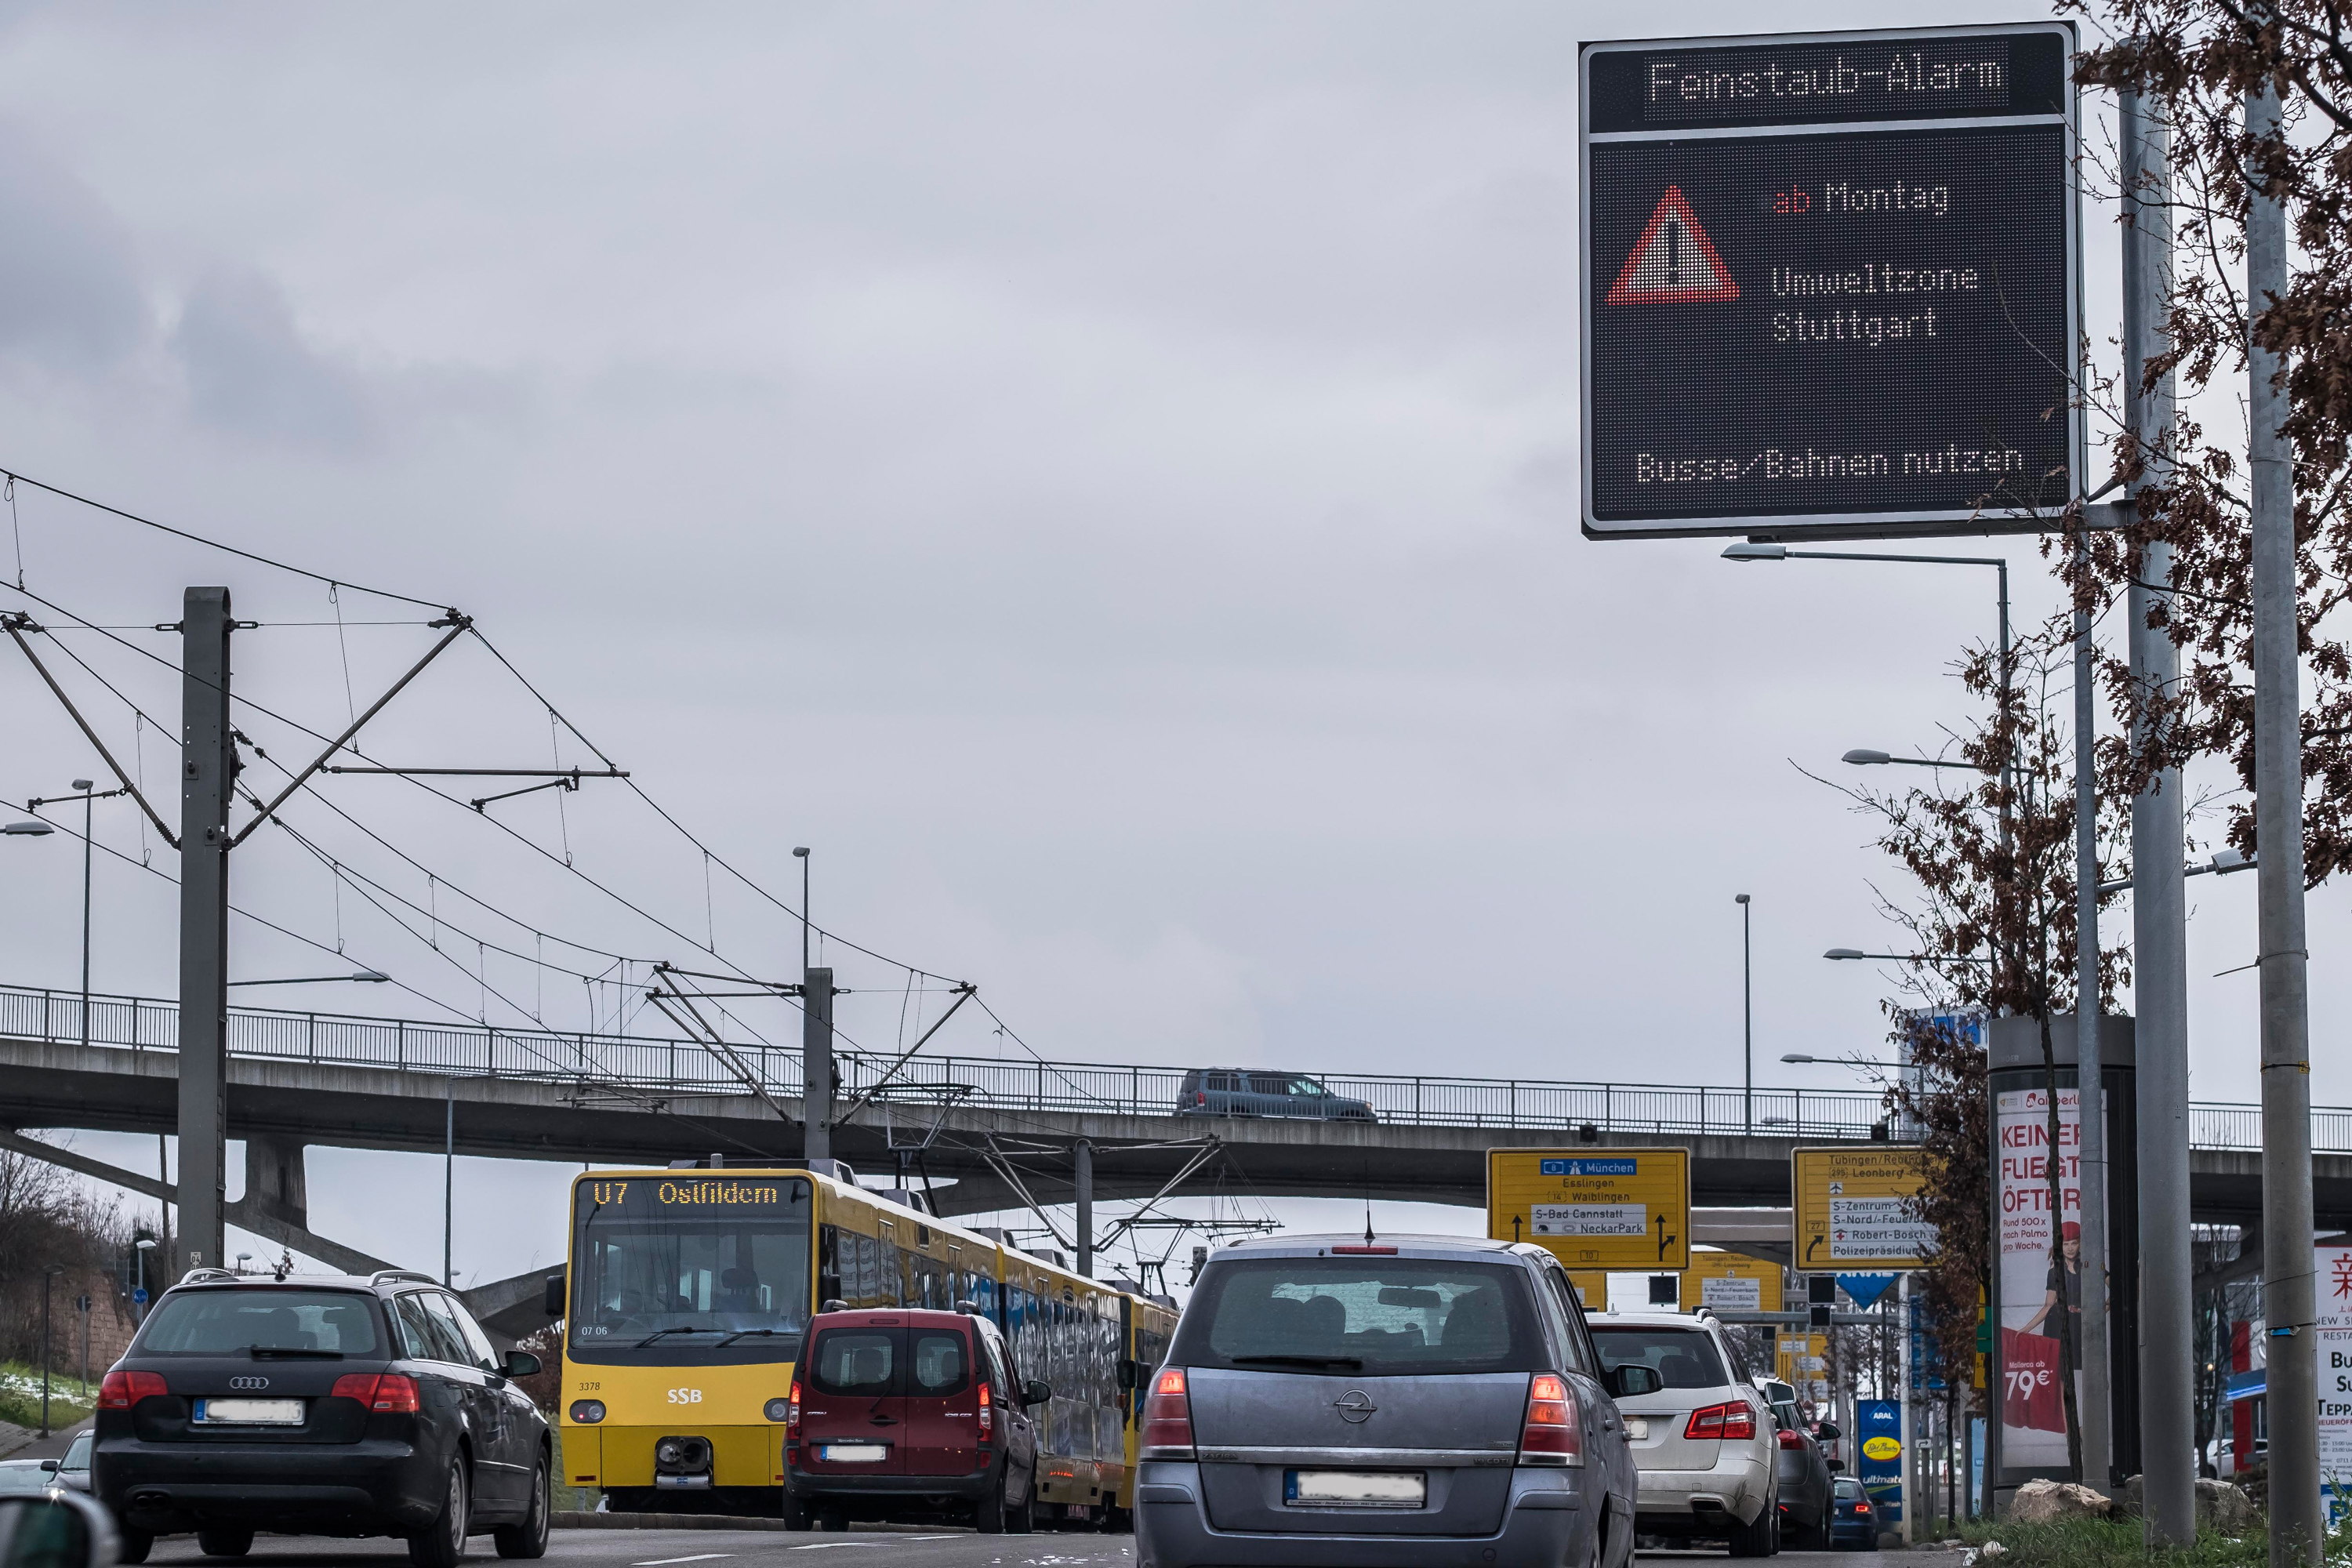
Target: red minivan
[909,1414]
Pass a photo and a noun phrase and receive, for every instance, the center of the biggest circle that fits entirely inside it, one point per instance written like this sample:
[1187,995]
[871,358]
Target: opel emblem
[249,1383]
[1355,1406]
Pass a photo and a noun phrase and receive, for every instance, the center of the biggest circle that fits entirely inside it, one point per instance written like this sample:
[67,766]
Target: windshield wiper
[743,1333]
[1356,1362]
[657,1333]
[287,1352]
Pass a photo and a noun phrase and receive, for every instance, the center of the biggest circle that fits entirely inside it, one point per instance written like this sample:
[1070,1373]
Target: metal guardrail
[642,1063]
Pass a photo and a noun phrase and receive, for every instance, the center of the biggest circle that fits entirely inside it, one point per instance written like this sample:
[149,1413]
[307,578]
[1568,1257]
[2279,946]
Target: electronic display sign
[1831,284]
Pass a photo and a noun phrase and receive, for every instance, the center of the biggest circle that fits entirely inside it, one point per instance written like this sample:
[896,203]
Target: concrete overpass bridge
[983,1133]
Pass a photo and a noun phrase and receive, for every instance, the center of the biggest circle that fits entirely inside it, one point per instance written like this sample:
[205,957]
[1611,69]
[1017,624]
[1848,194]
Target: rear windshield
[265,1319]
[874,1363]
[1849,1488]
[1682,1358]
[1371,1317]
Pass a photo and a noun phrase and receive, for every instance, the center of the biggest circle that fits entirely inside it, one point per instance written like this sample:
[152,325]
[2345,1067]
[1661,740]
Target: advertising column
[2332,1277]
[2040,1292]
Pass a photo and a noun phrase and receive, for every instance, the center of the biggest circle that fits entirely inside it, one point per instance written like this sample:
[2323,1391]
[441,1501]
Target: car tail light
[389,1391]
[1792,1439]
[1550,1435]
[793,1413]
[1360,1248]
[1860,1508]
[987,1412]
[1200,1097]
[1168,1418]
[121,1390]
[1729,1422]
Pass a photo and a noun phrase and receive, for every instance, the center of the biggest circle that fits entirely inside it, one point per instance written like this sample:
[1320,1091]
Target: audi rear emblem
[249,1383]
[1355,1406]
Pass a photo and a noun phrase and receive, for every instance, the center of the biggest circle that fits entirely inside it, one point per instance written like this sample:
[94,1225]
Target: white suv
[1704,1442]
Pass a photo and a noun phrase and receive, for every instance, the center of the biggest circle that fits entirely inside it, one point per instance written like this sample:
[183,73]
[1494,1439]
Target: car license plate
[1365,1488]
[1637,1428]
[853,1453]
[249,1412]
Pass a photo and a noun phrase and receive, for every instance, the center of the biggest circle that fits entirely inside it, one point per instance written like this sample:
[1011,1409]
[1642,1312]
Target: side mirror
[1826,1431]
[1034,1393]
[1129,1374]
[55,1530]
[1634,1378]
[552,1301]
[521,1364]
[50,1465]
[1837,1466]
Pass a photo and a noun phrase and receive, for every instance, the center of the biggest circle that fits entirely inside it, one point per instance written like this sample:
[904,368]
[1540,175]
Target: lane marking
[697,1557]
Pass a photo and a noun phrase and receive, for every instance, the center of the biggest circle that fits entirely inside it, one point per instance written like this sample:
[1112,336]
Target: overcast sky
[1104,477]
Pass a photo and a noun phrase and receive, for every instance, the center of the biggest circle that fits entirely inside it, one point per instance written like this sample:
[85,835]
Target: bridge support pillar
[274,1179]
[1085,1153]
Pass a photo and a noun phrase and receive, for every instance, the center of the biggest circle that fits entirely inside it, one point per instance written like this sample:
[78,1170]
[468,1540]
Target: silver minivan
[1408,1401]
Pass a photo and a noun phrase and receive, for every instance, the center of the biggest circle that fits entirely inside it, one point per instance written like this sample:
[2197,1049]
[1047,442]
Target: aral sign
[1830,283]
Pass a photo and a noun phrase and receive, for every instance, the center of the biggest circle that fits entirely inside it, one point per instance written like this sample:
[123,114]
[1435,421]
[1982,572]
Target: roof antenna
[1368,1200]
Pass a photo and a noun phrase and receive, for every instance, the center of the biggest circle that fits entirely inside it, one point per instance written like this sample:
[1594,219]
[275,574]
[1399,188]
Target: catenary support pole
[85,821]
[2168,1442]
[449,1172]
[1085,1153]
[207,770]
[2097,1405]
[2292,1379]
[817,1064]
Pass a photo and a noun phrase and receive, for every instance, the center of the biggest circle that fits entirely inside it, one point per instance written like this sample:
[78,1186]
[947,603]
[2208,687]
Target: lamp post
[47,1276]
[143,1244]
[1746,1019]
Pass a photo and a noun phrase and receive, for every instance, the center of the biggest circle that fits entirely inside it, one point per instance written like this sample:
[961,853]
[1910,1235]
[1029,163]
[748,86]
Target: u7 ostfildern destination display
[1848,327]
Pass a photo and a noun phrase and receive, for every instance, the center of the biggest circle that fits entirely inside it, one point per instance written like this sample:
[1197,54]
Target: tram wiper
[657,1333]
[741,1333]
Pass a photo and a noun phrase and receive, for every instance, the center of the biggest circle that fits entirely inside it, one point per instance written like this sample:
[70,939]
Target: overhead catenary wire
[335,583]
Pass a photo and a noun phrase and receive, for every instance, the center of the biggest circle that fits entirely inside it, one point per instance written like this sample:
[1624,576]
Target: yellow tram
[685,1300]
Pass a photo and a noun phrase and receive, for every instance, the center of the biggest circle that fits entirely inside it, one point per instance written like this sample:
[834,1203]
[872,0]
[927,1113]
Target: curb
[580,1520]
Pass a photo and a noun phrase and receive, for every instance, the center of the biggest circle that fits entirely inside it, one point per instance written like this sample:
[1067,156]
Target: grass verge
[20,1397]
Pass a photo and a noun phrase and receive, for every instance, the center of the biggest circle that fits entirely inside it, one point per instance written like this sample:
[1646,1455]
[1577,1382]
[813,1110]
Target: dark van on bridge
[1237,1091]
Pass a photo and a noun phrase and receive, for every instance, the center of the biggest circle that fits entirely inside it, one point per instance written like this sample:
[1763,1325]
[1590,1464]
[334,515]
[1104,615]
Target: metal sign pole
[2289,1301]
[2168,1448]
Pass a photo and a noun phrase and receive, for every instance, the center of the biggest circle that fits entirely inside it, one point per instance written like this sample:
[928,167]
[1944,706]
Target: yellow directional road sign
[1732,1282]
[1851,1211]
[1620,1208]
[1592,1289]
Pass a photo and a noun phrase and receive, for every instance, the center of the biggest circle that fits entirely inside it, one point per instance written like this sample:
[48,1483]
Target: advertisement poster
[2041,1294]
[2332,1270]
[1878,1422]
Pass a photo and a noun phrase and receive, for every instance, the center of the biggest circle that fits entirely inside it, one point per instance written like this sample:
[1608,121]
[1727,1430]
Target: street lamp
[145,1245]
[86,791]
[1853,953]
[27,830]
[1748,1019]
[1799,1059]
[2222,863]
[1864,757]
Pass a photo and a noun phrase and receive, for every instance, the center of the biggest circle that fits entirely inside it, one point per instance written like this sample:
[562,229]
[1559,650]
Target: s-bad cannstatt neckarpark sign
[1831,284]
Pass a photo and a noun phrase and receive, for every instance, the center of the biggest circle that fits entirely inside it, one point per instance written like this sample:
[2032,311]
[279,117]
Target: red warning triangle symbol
[1674,263]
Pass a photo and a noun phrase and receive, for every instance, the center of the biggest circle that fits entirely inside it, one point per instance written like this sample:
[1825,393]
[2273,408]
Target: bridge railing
[641,1063]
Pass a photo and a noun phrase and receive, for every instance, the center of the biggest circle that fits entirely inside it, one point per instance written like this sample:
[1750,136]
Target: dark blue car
[1853,1521]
